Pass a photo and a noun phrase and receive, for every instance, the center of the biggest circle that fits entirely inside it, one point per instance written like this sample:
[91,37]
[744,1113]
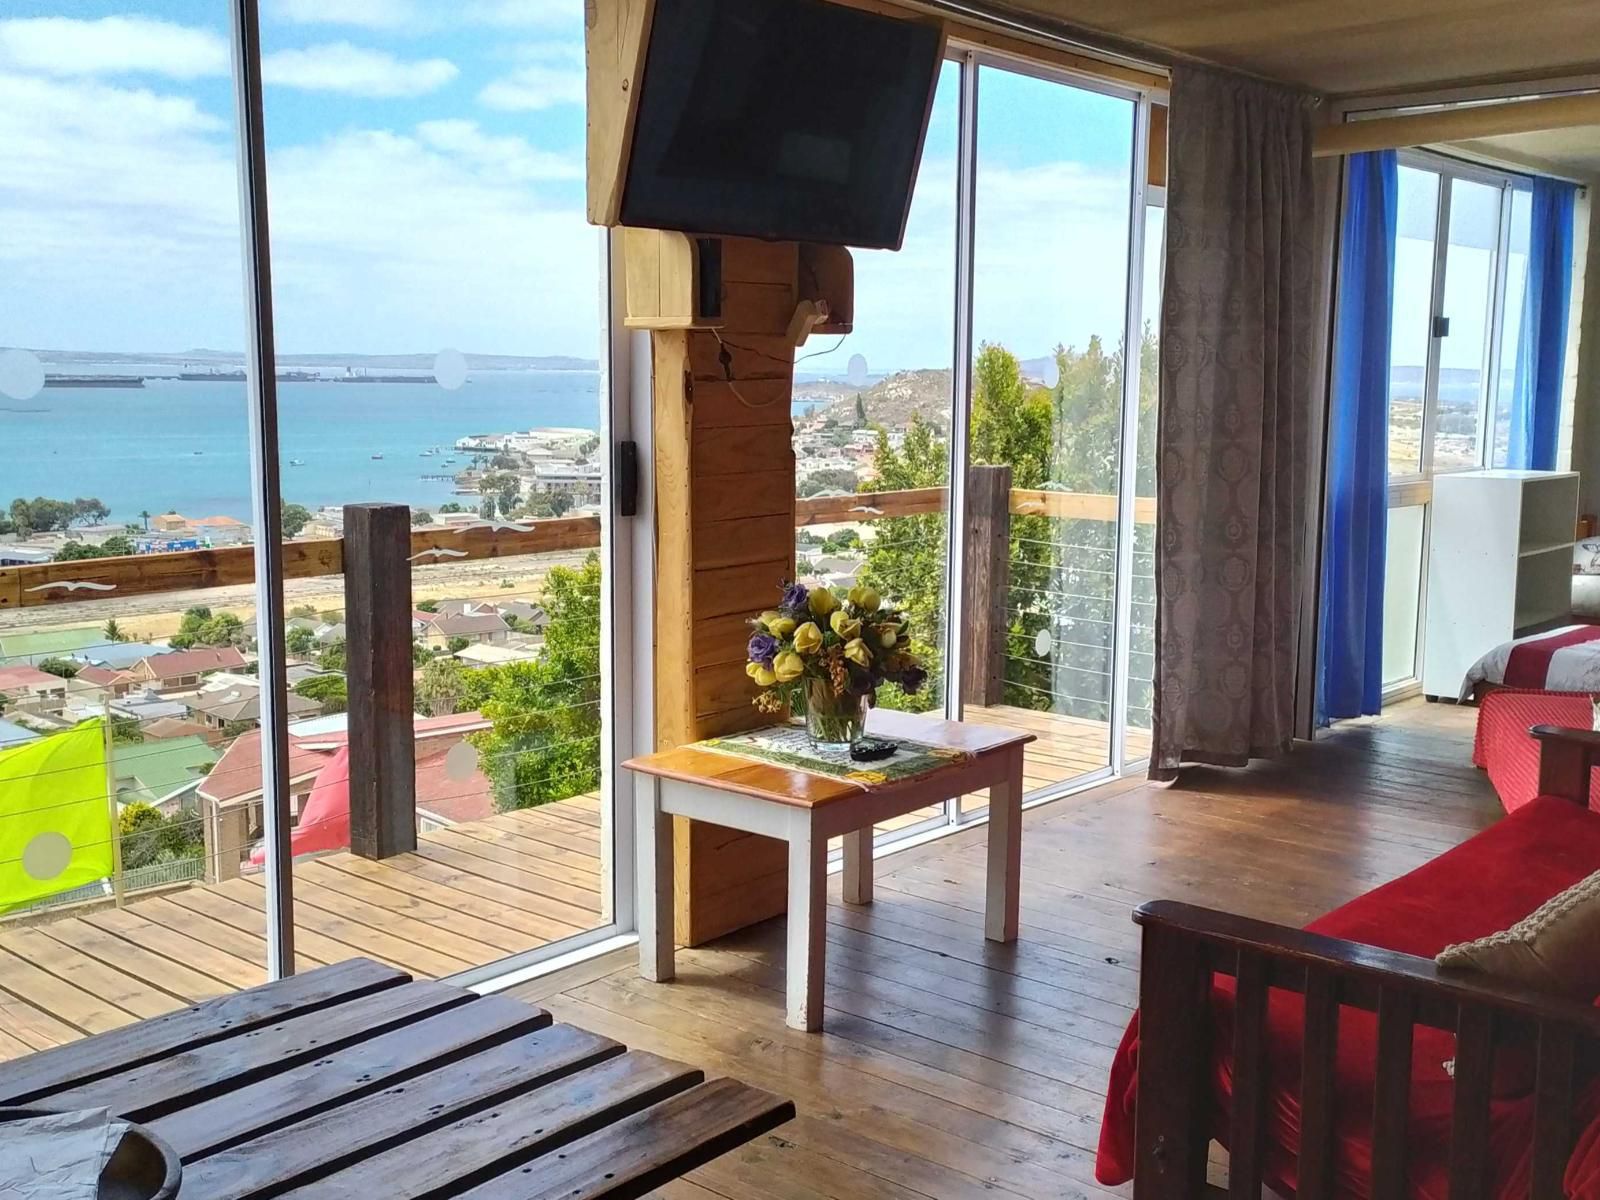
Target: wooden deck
[469,896]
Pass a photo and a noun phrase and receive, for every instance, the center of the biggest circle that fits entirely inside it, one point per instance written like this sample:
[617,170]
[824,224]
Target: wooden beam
[1456,124]
[987,547]
[383,761]
[616,35]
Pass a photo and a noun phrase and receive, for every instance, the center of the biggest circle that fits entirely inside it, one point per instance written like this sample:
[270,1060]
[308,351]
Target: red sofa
[1481,886]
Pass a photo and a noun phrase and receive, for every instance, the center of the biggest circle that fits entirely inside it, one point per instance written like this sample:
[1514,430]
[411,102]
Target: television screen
[794,120]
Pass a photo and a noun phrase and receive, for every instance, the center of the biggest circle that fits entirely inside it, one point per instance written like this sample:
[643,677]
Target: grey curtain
[1236,397]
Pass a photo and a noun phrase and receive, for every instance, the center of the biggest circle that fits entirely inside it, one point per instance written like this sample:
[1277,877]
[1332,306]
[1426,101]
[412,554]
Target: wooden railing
[192,570]
[1186,947]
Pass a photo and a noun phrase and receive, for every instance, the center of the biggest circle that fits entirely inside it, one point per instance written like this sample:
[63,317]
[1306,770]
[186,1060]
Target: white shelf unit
[1499,565]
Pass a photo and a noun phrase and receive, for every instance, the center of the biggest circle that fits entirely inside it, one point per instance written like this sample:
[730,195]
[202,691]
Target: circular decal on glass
[856,370]
[21,374]
[450,369]
[461,762]
[1043,643]
[47,855]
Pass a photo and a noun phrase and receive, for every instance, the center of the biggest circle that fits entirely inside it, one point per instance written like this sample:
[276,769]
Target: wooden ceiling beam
[1456,124]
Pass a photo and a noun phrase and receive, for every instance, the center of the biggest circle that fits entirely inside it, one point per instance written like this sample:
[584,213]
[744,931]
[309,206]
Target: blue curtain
[1542,348]
[1350,675]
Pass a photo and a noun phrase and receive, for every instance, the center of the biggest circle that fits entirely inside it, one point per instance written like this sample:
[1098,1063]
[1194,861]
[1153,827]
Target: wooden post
[1173,1117]
[987,547]
[111,801]
[377,623]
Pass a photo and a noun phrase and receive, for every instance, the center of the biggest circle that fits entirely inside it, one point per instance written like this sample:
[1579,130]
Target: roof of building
[244,704]
[153,770]
[99,676]
[48,642]
[464,625]
[173,727]
[118,656]
[12,734]
[24,678]
[493,656]
[218,523]
[176,663]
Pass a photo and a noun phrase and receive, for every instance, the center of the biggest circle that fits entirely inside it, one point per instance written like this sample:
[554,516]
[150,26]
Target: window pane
[1511,323]
[1413,308]
[872,413]
[1049,298]
[119,260]
[1142,650]
[1402,592]
[438,299]
[1463,355]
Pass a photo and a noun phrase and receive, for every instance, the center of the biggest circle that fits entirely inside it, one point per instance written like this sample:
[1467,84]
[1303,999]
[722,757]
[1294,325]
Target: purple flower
[763,649]
[912,679]
[794,598]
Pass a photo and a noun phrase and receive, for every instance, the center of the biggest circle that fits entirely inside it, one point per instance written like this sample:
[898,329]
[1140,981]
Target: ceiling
[1341,47]
[1571,152]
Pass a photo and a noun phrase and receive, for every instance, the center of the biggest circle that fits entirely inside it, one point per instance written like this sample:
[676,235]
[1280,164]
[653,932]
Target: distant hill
[889,402]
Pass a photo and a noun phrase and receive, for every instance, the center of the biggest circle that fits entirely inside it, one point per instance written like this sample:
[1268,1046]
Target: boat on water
[94,381]
[376,457]
[297,462]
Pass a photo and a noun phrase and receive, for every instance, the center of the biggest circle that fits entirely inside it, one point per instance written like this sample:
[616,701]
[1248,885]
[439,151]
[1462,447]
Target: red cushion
[1483,885]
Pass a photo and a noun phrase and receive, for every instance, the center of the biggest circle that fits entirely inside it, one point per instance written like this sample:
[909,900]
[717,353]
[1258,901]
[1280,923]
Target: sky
[425,170]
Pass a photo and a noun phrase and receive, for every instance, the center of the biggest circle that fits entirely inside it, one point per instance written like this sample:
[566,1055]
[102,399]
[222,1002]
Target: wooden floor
[955,1069]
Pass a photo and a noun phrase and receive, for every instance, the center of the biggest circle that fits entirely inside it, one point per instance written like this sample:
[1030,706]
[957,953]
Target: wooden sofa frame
[1184,945]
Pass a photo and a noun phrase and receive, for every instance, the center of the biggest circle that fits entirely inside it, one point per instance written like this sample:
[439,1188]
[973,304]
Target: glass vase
[834,723]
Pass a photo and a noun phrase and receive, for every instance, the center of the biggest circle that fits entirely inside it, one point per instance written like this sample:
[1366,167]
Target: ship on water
[94,381]
[214,376]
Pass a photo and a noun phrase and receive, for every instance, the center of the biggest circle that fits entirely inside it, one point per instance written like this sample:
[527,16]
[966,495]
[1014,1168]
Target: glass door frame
[626,659]
[972,57]
[1415,488]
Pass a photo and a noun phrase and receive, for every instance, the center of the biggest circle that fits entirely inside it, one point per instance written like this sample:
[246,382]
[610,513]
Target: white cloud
[355,71]
[63,46]
[551,74]
[413,16]
[515,157]
[119,225]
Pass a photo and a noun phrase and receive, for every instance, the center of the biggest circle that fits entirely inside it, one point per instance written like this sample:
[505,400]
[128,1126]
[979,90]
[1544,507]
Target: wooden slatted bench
[353,1080]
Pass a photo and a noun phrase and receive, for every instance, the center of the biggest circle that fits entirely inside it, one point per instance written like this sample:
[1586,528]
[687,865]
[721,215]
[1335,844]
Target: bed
[1558,660]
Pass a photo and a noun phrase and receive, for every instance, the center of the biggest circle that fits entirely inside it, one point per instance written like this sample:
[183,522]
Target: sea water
[184,445]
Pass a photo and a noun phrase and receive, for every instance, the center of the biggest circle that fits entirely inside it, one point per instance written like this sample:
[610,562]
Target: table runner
[790,746]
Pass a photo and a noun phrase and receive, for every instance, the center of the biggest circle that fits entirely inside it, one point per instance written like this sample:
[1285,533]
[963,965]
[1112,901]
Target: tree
[457,644]
[75,551]
[113,632]
[428,606]
[144,515]
[118,545]
[441,688]
[450,506]
[62,668]
[560,504]
[421,517]
[332,659]
[125,731]
[300,641]
[544,744]
[330,691]
[148,837]
[843,541]
[861,411]
[295,518]
[41,515]
[224,629]
[830,479]
[89,511]
[305,611]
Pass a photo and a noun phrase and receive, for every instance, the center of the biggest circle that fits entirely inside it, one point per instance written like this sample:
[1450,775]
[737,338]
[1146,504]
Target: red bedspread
[1507,751]
[1479,887]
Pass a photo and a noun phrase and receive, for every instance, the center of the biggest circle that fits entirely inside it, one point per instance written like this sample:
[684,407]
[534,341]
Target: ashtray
[142,1167]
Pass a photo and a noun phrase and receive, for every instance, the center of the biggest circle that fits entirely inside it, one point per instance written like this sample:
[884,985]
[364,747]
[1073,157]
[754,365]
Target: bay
[183,445]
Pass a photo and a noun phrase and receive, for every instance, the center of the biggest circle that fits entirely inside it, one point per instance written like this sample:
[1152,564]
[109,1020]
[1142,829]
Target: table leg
[858,866]
[808,915]
[653,842]
[1004,882]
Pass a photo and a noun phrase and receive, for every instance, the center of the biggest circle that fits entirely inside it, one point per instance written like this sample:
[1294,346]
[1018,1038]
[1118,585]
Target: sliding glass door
[1460,264]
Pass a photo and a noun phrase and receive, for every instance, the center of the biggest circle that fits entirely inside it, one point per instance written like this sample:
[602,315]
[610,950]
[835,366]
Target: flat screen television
[792,120]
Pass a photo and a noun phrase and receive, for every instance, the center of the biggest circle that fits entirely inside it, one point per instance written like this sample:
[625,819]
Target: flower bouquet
[825,656]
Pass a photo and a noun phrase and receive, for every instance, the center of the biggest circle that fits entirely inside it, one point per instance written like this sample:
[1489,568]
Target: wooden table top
[803,789]
[351,1080]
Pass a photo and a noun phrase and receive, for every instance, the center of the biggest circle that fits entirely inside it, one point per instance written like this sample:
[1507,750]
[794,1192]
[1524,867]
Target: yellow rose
[768,617]
[788,667]
[845,627]
[761,673]
[865,599]
[856,651]
[822,602]
[888,635]
[782,627]
[808,638]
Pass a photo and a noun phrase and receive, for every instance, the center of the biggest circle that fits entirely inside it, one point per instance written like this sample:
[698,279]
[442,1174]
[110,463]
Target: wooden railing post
[987,547]
[377,623]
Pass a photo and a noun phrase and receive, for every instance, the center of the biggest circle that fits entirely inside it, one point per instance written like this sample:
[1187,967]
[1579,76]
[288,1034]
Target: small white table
[806,810]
